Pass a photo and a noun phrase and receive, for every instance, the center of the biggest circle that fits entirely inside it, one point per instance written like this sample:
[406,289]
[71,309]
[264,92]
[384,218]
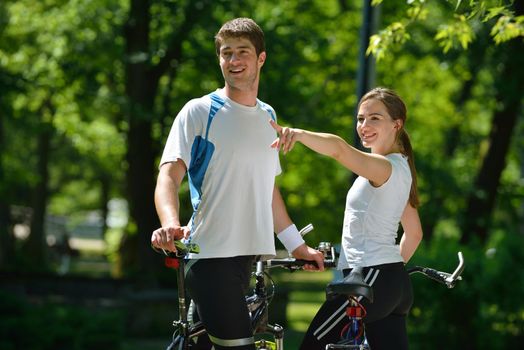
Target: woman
[384,194]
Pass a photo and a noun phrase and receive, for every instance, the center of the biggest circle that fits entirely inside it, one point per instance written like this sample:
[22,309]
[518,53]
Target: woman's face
[376,129]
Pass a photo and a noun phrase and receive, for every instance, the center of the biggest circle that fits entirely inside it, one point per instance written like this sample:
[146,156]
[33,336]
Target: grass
[306,295]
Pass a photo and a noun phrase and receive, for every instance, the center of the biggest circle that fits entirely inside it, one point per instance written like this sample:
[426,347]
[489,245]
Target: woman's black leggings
[218,287]
[385,322]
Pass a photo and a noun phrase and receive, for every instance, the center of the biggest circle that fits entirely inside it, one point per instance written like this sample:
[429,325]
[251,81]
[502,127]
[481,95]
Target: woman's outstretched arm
[374,167]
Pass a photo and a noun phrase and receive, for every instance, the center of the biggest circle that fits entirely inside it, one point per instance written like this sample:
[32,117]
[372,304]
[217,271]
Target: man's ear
[261,59]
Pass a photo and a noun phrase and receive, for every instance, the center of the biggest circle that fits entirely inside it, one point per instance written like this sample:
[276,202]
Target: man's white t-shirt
[233,211]
[372,218]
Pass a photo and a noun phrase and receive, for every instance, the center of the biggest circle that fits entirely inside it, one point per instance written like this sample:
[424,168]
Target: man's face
[239,63]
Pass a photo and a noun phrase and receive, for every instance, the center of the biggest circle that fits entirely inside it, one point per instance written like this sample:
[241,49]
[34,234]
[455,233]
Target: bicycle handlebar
[449,279]
[296,264]
[181,249]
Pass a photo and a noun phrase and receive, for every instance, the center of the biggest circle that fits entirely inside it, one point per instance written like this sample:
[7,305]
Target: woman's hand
[286,137]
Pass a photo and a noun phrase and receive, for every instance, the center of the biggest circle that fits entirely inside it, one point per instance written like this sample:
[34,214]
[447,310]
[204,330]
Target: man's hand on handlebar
[164,237]
[304,252]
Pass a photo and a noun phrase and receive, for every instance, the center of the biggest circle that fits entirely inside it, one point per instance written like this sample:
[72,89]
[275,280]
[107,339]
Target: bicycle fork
[276,330]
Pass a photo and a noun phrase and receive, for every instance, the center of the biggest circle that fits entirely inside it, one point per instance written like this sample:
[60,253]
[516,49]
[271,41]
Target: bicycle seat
[351,285]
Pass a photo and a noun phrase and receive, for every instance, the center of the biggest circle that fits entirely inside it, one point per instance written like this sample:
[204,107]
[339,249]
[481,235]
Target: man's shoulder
[268,108]
[264,104]
[197,106]
[199,102]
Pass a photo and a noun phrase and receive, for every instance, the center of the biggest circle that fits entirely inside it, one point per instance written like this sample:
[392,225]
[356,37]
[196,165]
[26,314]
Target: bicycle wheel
[180,343]
[176,344]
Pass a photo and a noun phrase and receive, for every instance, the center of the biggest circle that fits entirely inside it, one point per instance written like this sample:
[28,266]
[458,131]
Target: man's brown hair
[241,28]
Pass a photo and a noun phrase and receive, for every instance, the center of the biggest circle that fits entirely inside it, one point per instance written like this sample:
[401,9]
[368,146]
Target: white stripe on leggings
[342,308]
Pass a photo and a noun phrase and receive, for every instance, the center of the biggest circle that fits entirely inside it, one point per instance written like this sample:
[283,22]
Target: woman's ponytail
[407,150]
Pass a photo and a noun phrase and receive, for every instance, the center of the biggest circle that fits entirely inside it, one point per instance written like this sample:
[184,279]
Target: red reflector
[354,312]
[171,262]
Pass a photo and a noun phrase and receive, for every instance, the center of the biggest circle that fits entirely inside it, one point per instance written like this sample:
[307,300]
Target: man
[222,140]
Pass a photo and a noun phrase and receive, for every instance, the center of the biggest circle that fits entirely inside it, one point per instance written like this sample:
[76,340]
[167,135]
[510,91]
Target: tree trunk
[105,188]
[141,88]
[509,85]
[476,58]
[36,242]
[140,91]
[5,235]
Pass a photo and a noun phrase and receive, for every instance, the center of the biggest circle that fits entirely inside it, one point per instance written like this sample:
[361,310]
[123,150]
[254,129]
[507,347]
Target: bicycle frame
[257,302]
[353,336]
[258,305]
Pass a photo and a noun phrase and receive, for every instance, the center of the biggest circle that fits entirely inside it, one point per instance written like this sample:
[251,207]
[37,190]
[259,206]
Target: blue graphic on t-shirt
[267,109]
[201,153]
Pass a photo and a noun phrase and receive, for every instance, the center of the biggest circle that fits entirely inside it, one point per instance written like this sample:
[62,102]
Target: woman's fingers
[275,126]
[289,140]
[277,143]
[285,140]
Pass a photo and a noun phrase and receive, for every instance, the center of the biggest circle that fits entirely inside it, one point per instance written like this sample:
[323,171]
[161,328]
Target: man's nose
[233,58]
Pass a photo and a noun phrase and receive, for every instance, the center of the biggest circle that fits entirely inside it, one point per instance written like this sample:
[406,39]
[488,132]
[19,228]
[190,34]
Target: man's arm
[168,206]
[283,224]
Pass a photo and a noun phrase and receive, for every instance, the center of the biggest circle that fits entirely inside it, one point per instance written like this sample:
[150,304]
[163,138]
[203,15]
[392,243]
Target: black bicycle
[269,336]
[353,335]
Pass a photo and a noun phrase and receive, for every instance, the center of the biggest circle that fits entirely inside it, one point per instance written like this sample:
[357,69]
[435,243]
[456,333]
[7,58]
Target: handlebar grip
[327,264]
[435,275]
[296,264]
[181,249]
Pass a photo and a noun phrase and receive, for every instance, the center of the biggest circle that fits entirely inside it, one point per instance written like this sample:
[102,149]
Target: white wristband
[290,238]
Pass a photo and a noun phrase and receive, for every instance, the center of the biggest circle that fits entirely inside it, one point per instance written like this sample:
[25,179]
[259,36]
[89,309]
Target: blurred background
[89,90]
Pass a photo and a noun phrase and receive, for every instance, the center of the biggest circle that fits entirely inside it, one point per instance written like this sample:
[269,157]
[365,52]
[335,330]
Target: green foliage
[42,327]
[459,32]
[380,44]
[507,28]
[484,310]
[50,47]
[62,66]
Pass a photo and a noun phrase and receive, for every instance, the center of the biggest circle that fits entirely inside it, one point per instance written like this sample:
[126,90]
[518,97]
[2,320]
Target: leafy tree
[49,53]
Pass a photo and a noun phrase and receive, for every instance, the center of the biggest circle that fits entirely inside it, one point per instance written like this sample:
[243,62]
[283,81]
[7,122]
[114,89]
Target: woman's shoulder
[399,163]
[397,159]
